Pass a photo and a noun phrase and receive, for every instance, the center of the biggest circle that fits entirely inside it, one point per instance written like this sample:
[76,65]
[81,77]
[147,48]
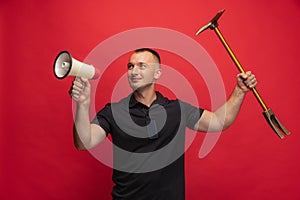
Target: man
[145,123]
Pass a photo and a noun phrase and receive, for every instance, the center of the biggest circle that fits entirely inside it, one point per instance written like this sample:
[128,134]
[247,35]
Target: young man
[148,129]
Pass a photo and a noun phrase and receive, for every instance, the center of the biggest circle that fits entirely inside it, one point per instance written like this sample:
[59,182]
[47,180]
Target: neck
[145,95]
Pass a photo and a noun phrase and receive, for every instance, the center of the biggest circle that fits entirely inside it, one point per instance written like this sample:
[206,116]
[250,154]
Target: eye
[142,66]
[130,66]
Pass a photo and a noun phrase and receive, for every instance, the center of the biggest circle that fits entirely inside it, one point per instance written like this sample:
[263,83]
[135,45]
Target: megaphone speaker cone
[65,65]
[62,64]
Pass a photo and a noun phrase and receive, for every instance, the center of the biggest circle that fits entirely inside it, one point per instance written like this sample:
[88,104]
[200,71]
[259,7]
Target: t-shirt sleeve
[192,114]
[103,118]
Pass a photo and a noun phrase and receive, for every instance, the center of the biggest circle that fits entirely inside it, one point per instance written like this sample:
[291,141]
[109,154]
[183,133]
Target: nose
[134,70]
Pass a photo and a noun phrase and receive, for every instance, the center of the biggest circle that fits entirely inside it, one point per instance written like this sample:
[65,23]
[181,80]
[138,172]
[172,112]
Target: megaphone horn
[65,65]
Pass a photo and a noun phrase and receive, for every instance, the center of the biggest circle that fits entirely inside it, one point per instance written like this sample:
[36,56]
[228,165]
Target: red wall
[37,157]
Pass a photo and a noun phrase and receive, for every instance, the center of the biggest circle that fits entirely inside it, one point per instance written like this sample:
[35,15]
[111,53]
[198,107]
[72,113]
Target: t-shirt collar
[160,99]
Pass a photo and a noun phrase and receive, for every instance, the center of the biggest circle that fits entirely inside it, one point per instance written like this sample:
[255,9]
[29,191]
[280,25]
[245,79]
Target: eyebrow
[137,63]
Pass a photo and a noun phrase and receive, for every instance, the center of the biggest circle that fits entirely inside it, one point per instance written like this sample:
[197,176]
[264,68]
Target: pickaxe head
[213,23]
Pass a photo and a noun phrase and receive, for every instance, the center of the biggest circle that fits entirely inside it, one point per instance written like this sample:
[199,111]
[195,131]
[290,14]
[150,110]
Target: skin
[143,71]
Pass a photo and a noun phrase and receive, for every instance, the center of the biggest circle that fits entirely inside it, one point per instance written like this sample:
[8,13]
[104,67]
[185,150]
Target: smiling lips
[134,79]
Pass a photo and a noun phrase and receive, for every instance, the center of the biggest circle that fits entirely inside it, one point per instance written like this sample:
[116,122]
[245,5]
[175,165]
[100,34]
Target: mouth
[135,80]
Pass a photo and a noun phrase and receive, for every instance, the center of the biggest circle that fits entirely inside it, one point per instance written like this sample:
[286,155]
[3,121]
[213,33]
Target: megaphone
[65,65]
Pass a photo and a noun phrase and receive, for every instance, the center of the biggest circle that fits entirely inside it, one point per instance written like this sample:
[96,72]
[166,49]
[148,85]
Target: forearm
[228,112]
[82,128]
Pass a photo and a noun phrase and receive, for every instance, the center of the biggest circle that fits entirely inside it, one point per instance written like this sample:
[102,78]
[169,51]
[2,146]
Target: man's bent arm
[225,115]
[86,135]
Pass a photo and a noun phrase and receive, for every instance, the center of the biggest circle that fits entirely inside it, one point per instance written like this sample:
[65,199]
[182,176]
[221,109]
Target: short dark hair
[156,55]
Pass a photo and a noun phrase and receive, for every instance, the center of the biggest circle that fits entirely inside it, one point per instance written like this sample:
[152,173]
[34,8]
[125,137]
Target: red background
[37,156]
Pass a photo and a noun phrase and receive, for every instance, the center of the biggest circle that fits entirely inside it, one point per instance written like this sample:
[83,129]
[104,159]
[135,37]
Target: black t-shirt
[148,146]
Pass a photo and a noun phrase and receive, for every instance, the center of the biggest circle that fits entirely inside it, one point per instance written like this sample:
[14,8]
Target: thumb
[243,76]
[85,81]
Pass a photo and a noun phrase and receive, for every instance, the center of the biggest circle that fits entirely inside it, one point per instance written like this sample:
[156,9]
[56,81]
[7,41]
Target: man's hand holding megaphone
[80,91]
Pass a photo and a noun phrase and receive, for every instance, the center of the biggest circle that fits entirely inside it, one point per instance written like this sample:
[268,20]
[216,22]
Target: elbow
[78,143]
[219,126]
[226,125]
[79,147]
[225,128]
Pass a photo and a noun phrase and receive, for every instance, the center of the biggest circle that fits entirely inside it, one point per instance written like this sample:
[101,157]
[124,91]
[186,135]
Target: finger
[74,91]
[77,78]
[248,83]
[84,80]
[78,85]
[251,79]
[242,76]
[81,82]
[252,83]
[74,95]
[248,77]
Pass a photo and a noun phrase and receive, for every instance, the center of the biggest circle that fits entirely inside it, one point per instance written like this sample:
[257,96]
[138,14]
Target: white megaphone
[65,65]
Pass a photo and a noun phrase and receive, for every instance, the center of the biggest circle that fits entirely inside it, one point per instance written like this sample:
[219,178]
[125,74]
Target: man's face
[143,70]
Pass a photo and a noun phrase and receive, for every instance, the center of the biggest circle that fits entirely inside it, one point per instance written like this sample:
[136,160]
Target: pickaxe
[268,113]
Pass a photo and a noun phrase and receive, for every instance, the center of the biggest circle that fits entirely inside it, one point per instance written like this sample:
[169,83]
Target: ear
[157,73]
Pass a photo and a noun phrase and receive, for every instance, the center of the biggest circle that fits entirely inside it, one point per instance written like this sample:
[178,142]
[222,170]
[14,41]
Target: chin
[134,86]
